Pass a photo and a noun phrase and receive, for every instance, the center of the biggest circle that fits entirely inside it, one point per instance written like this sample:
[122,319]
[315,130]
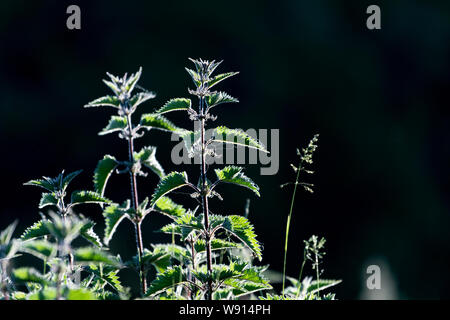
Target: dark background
[379,100]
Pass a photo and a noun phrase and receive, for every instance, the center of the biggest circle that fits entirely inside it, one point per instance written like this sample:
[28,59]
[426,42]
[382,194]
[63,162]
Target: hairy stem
[135,201]
[205,205]
[288,224]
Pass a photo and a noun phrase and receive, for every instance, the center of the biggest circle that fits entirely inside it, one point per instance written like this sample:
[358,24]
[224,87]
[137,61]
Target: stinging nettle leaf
[116,123]
[43,183]
[154,121]
[175,105]
[171,277]
[41,249]
[37,230]
[195,77]
[68,179]
[88,233]
[218,98]
[24,275]
[113,87]
[103,171]
[114,214]
[48,199]
[133,80]
[172,181]
[234,175]
[141,97]
[216,244]
[147,157]
[241,228]
[89,255]
[240,136]
[167,207]
[108,101]
[219,78]
[79,197]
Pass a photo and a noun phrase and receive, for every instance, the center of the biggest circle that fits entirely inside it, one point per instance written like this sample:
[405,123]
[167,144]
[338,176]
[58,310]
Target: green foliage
[106,101]
[114,214]
[155,121]
[89,255]
[211,256]
[41,249]
[170,182]
[25,275]
[37,230]
[166,206]
[218,98]
[79,197]
[241,228]
[234,175]
[237,137]
[103,171]
[147,158]
[175,105]
[116,123]
[171,277]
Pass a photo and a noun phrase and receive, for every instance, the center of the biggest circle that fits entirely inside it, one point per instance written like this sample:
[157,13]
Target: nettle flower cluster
[214,255]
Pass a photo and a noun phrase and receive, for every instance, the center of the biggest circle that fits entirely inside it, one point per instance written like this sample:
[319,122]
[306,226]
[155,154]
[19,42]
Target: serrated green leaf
[108,101]
[23,275]
[113,87]
[174,251]
[234,175]
[170,182]
[88,233]
[43,183]
[147,157]
[81,197]
[37,230]
[133,80]
[219,78]
[103,171]
[140,98]
[171,277]
[41,249]
[106,274]
[89,255]
[184,225]
[237,137]
[48,199]
[220,272]
[167,207]
[241,228]
[116,123]
[154,121]
[114,214]
[218,98]
[216,244]
[175,105]
[195,77]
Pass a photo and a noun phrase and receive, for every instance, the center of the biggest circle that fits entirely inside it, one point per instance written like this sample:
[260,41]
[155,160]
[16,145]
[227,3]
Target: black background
[379,100]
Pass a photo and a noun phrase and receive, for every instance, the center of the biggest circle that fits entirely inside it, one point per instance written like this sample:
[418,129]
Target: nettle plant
[210,256]
[208,265]
[69,271]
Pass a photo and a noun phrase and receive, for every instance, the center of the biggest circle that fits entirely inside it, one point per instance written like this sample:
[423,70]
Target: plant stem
[288,224]
[205,205]
[301,273]
[135,201]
